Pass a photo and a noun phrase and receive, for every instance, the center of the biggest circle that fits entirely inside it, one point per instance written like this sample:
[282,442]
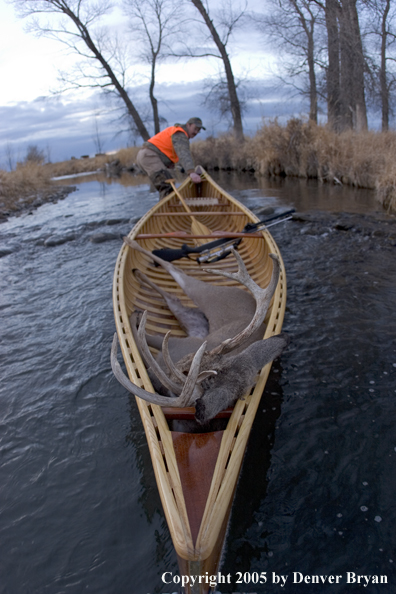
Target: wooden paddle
[197,228]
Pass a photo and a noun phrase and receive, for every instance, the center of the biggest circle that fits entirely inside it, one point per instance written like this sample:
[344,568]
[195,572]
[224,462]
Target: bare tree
[220,35]
[34,155]
[293,25]
[154,23]
[217,96]
[9,154]
[76,24]
[96,137]
[382,32]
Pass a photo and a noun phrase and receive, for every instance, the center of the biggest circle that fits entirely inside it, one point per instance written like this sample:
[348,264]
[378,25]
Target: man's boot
[159,181]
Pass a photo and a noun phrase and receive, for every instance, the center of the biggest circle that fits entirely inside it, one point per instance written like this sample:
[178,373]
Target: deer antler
[186,398]
[262,296]
[176,388]
[174,370]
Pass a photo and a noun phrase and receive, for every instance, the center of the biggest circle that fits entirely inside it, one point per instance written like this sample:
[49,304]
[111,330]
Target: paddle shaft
[176,191]
[196,227]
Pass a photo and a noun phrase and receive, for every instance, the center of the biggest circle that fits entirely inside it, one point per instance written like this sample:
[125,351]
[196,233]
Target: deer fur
[224,339]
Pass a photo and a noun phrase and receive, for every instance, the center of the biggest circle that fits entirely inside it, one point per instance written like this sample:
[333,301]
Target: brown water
[79,510]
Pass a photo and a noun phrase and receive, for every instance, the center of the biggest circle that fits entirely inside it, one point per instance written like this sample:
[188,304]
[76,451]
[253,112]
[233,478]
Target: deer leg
[192,320]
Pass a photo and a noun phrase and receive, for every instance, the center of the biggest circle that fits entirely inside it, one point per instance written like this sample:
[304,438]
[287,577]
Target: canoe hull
[197,526]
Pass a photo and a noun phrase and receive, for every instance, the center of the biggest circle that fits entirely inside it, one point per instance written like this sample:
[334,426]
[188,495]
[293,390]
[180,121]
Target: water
[79,509]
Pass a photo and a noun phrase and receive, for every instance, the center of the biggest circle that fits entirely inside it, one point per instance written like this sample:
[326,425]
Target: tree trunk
[333,69]
[313,95]
[232,91]
[347,67]
[358,71]
[345,75]
[154,102]
[308,27]
[352,68]
[383,77]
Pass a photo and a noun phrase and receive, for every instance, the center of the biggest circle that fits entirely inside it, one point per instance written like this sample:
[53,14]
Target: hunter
[160,153]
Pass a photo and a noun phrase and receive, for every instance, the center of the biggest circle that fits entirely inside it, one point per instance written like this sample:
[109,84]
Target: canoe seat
[187,413]
[202,201]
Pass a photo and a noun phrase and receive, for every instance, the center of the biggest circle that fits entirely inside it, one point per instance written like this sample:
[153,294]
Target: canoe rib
[197,550]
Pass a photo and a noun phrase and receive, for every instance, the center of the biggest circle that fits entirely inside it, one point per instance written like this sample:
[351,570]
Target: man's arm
[182,147]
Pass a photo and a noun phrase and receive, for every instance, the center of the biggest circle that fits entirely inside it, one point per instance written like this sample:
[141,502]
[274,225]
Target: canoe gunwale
[235,435]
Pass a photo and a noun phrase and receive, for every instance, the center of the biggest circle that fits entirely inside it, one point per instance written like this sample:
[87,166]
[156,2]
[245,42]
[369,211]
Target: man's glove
[195,177]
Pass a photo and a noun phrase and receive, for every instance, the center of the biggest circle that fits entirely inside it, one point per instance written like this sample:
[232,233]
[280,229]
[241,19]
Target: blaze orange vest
[163,141]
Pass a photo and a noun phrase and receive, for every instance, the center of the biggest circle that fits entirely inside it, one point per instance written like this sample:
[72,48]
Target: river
[79,509]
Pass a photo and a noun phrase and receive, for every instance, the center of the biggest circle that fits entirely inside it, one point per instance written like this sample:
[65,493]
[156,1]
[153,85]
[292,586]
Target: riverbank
[32,184]
[297,149]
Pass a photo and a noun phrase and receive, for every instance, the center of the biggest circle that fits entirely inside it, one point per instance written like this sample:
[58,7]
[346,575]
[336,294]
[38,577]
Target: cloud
[65,126]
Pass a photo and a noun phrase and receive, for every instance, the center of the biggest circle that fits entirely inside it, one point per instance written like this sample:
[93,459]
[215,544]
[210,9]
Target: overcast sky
[69,124]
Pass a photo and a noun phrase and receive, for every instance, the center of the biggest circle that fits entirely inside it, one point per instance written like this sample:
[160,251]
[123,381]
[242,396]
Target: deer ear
[200,411]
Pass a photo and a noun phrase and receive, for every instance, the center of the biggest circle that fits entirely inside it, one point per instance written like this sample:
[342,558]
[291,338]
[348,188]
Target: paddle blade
[198,228]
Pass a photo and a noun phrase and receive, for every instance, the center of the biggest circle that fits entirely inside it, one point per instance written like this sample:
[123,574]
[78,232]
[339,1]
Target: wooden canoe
[196,473]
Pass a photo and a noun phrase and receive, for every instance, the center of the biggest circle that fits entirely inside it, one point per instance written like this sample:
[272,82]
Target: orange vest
[163,141]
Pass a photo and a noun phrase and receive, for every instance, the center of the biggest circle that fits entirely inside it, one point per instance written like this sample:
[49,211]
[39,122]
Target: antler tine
[151,362]
[262,296]
[188,389]
[242,276]
[174,371]
[151,397]
[205,374]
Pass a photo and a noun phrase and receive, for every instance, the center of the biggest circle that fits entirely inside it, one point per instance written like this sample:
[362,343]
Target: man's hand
[195,177]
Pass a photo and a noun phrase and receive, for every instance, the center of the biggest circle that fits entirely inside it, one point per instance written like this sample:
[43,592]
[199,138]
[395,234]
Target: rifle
[218,249]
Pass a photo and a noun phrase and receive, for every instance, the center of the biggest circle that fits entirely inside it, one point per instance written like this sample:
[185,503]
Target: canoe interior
[196,473]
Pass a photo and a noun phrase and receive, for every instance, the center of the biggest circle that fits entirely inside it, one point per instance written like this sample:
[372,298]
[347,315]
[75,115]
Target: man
[160,153]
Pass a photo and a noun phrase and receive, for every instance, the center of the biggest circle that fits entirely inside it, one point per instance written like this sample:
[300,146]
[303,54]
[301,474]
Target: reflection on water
[79,509]
[299,193]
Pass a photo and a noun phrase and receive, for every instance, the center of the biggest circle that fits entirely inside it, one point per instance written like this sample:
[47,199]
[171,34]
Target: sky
[84,122]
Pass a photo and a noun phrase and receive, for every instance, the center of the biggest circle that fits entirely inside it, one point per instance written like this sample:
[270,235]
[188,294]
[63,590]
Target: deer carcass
[219,359]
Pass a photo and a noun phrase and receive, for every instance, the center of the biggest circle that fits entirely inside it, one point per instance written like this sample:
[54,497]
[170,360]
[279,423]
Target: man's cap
[197,122]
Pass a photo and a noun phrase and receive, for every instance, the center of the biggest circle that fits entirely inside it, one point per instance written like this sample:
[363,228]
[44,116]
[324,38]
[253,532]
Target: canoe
[196,473]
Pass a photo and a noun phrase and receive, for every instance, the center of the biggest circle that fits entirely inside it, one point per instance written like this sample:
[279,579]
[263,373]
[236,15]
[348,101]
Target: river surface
[79,509]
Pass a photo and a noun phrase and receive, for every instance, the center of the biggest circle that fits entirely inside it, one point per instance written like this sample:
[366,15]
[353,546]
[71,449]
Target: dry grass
[22,186]
[302,149]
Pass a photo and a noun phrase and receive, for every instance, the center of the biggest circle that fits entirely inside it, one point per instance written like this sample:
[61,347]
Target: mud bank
[33,201]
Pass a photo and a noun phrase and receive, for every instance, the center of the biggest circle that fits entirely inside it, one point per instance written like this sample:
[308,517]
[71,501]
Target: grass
[20,188]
